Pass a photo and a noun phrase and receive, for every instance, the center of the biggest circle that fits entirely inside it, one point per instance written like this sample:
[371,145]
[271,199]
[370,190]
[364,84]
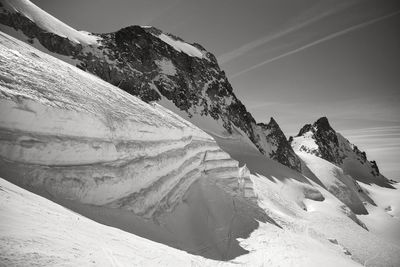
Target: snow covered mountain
[338,164]
[321,140]
[154,66]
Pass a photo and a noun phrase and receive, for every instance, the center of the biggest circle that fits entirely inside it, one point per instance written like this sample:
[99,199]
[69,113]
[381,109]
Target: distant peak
[321,125]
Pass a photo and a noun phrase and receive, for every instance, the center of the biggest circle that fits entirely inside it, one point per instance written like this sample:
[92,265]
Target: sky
[293,60]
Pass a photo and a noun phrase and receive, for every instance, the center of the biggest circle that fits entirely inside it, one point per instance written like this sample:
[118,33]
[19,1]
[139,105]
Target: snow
[341,185]
[49,23]
[384,218]
[142,168]
[309,215]
[33,231]
[36,231]
[305,142]
[166,66]
[181,46]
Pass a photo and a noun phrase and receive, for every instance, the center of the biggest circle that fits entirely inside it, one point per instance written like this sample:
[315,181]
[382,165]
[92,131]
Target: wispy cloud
[316,42]
[224,58]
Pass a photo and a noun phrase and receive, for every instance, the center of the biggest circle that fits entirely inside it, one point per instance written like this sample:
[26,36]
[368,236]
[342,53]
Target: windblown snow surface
[107,155]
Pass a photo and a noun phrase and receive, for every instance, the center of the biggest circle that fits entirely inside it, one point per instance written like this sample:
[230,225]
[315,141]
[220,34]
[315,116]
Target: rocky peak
[323,124]
[325,138]
[274,143]
[322,140]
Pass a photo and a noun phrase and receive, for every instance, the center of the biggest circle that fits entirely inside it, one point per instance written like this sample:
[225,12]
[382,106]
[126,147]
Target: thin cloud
[224,58]
[376,130]
[324,39]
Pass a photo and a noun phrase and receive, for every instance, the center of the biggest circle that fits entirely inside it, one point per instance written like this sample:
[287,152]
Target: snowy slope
[82,142]
[49,23]
[310,216]
[343,186]
[36,231]
[384,217]
[33,231]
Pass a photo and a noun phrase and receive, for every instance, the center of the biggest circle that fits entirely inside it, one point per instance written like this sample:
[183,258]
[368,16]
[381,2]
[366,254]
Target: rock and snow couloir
[152,65]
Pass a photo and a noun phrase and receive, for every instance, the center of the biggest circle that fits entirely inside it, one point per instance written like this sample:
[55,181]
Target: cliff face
[152,65]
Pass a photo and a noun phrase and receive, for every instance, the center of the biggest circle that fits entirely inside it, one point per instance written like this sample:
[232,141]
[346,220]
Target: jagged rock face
[322,140]
[325,138]
[142,62]
[274,143]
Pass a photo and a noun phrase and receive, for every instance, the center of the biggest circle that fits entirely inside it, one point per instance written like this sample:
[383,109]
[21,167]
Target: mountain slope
[33,232]
[152,65]
[82,142]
